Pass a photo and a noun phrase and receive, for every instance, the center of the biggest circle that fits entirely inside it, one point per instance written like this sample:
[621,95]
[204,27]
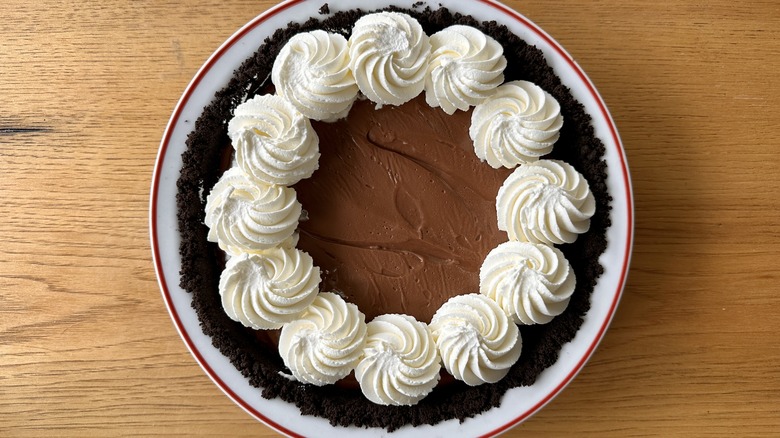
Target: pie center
[401,213]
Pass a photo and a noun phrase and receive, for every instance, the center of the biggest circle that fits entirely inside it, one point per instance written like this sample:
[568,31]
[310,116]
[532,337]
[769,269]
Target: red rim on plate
[259,20]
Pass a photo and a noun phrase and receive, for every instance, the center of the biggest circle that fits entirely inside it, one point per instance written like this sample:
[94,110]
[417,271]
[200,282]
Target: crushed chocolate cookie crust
[202,260]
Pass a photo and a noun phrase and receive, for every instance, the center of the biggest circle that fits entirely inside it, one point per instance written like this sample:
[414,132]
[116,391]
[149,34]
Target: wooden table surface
[87,347]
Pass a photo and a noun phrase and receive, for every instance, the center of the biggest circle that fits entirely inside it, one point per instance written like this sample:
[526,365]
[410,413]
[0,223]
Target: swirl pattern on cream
[265,291]
[547,201]
[250,216]
[478,343]
[325,343]
[312,73]
[465,67]
[518,124]
[274,142]
[400,363]
[532,282]
[389,57]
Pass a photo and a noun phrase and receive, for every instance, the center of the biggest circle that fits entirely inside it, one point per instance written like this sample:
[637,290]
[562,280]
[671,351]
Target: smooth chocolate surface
[401,212]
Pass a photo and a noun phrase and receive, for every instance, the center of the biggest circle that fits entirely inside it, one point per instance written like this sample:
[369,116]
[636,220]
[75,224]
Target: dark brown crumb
[201,261]
[324,9]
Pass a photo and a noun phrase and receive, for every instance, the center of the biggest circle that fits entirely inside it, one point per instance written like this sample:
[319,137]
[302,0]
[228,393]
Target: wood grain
[87,347]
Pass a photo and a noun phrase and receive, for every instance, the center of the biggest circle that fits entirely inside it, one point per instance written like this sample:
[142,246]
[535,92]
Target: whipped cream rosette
[325,343]
[478,343]
[465,67]
[249,216]
[545,202]
[264,291]
[517,124]
[533,283]
[312,73]
[400,363]
[274,142]
[388,54]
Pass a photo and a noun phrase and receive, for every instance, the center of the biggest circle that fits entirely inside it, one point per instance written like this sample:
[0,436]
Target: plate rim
[259,20]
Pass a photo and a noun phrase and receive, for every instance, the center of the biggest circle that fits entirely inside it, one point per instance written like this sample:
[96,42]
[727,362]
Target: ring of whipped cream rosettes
[252,212]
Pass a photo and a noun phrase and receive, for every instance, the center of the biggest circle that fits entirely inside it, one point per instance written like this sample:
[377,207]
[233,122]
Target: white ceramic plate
[518,403]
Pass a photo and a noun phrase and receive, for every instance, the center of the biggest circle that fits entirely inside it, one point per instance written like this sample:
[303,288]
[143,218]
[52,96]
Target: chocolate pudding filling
[401,212]
[399,216]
